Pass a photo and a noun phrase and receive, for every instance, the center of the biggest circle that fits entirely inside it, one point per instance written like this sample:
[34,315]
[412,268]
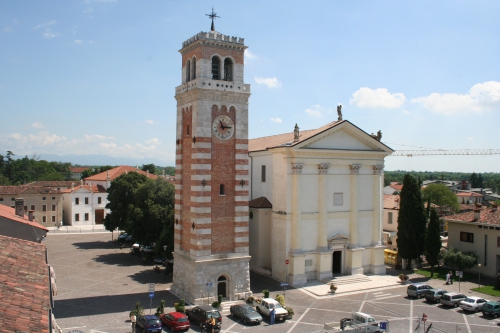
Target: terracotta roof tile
[488,215]
[10,213]
[52,183]
[28,189]
[92,188]
[468,194]
[24,286]
[116,172]
[391,201]
[397,186]
[261,202]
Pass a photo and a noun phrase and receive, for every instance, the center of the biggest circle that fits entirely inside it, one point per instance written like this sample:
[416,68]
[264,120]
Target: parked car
[452,299]
[121,238]
[159,260]
[473,304]
[176,321]
[491,309]
[433,295]
[200,314]
[149,324]
[417,289]
[246,312]
[146,249]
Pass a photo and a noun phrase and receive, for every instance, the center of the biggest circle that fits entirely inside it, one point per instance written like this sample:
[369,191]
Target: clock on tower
[212,170]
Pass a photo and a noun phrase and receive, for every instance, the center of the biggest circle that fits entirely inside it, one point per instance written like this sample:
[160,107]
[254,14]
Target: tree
[121,197]
[459,260]
[152,214]
[433,241]
[480,182]
[441,195]
[149,167]
[473,180]
[411,221]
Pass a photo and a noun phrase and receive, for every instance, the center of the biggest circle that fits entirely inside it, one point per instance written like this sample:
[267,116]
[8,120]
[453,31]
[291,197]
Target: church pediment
[345,136]
[338,237]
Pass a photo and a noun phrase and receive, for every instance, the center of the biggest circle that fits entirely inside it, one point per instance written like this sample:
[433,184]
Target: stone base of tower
[200,282]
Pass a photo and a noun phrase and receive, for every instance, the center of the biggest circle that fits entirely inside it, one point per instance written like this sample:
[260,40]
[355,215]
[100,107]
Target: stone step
[349,279]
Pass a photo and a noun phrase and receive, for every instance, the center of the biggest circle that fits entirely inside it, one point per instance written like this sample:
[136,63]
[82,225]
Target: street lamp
[479,281]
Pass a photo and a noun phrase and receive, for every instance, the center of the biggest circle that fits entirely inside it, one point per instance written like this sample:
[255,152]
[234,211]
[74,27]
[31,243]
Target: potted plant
[290,312]
[180,306]
[403,278]
[250,300]
[333,288]
[266,293]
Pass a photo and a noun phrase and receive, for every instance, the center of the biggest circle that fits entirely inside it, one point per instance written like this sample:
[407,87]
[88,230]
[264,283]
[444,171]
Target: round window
[251,215]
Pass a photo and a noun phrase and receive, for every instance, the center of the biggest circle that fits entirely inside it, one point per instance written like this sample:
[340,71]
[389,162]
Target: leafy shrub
[180,306]
[280,299]
[266,293]
[250,300]
[138,311]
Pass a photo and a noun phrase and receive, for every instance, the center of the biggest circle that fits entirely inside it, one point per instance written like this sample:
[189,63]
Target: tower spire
[212,16]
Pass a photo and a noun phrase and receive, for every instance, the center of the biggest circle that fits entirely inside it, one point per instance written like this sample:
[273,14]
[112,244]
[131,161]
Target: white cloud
[270,82]
[149,122]
[480,98]
[49,34]
[276,120]
[406,112]
[249,55]
[77,41]
[45,25]
[38,124]
[7,29]
[317,111]
[470,138]
[96,137]
[377,98]
[153,141]
[88,10]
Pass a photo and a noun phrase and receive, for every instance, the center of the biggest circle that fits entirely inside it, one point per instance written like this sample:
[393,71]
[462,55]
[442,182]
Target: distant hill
[102,160]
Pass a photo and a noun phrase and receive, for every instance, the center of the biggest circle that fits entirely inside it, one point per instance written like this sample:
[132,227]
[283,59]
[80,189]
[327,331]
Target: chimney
[494,207]
[464,184]
[20,207]
[30,215]
[477,214]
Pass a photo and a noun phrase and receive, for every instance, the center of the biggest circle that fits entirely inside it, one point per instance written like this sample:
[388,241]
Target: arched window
[228,69]
[221,190]
[188,71]
[215,68]
[193,73]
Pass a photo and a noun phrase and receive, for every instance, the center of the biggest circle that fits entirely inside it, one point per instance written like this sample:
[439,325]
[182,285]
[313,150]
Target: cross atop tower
[212,16]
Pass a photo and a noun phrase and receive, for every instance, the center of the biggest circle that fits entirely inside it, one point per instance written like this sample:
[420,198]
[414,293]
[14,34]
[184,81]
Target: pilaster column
[353,225]
[322,236]
[296,209]
[377,204]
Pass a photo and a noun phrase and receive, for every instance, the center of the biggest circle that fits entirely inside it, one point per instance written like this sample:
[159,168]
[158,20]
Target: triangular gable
[338,237]
[344,136]
[82,190]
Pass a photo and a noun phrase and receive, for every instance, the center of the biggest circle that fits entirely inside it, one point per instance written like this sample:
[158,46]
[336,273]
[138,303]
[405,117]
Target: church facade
[316,207]
[212,171]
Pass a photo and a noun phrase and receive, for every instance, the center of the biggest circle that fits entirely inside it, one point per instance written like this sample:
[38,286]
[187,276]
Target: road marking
[466,323]
[411,317]
[298,320]
[385,297]
[380,292]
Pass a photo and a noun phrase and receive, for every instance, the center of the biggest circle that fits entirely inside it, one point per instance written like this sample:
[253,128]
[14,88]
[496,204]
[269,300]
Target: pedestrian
[273,315]
[447,278]
[451,277]
[133,320]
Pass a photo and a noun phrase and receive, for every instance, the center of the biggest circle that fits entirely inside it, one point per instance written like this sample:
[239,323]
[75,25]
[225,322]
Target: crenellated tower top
[213,38]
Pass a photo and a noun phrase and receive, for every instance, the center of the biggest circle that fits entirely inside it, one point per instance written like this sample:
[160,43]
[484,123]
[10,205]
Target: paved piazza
[98,284]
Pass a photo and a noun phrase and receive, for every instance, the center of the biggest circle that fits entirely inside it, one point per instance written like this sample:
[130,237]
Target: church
[298,206]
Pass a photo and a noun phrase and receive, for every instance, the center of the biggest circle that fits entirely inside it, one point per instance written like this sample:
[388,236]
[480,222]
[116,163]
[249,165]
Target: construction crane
[429,152]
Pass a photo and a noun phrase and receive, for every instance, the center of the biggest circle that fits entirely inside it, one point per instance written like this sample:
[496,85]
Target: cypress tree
[433,241]
[411,221]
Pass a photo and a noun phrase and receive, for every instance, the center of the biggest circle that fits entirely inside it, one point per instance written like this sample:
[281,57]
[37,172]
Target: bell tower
[212,170]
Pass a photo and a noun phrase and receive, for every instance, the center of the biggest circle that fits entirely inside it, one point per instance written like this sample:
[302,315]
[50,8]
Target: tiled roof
[52,183]
[261,202]
[92,188]
[278,140]
[397,186]
[391,201]
[78,169]
[488,215]
[24,286]
[28,189]
[117,172]
[468,194]
[10,213]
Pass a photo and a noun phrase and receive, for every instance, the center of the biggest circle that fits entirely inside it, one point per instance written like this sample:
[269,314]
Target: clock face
[223,127]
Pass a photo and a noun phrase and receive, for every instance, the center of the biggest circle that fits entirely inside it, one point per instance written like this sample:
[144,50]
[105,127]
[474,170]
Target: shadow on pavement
[95,245]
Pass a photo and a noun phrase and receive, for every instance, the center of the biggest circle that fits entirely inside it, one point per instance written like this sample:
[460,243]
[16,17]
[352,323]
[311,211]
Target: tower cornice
[213,39]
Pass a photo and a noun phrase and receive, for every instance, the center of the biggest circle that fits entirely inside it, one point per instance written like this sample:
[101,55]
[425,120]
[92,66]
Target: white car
[473,304]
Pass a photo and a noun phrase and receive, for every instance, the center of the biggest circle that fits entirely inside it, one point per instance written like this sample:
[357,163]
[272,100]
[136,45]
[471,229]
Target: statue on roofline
[339,111]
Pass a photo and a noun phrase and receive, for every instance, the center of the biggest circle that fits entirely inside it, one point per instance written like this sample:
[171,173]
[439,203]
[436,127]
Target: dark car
[452,299]
[433,295]
[149,324]
[176,321]
[245,312]
[200,314]
[417,289]
[491,309]
[122,238]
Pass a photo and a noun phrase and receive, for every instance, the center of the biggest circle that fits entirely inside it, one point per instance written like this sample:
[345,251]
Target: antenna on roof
[212,16]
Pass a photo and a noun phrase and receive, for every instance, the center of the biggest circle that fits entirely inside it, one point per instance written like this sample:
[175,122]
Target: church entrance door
[337,262]
[222,286]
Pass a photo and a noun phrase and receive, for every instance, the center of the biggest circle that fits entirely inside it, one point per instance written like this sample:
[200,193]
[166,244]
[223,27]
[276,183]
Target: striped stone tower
[212,171]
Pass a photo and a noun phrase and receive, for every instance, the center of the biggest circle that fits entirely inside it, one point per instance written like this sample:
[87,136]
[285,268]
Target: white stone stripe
[205,220]
[241,198]
[201,242]
[241,229]
[241,239]
[242,167]
[195,156]
[241,249]
[241,218]
[242,146]
[199,231]
[241,157]
[201,188]
[201,199]
[177,207]
[201,210]
[203,145]
[201,167]
[207,177]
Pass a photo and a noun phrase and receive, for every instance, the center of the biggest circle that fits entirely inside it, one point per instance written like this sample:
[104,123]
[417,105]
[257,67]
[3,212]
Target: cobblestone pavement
[99,283]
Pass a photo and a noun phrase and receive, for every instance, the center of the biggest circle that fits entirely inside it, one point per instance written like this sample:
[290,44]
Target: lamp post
[479,272]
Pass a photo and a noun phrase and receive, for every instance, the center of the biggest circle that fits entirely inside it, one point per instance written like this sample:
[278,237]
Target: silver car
[473,304]
[417,290]
[452,299]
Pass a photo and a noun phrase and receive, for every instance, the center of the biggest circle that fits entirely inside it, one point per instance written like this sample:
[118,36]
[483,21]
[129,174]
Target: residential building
[392,188]
[106,177]
[76,172]
[44,201]
[469,198]
[85,205]
[325,188]
[390,221]
[14,223]
[478,231]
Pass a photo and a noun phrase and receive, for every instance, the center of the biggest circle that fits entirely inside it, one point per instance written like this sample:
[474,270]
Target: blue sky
[98,77]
